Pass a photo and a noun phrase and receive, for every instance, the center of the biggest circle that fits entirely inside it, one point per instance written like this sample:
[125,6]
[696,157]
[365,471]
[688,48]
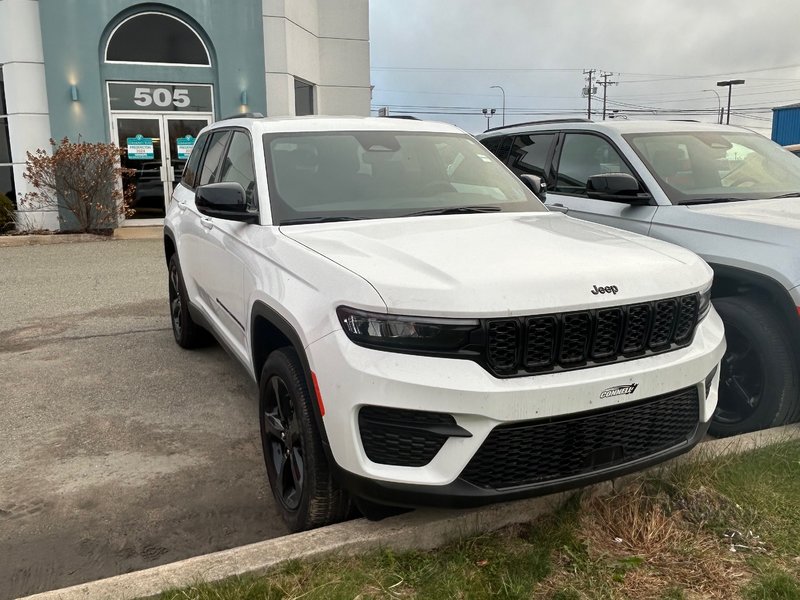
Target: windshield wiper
[713,200]
[455,210]
[305,220]
[789,195]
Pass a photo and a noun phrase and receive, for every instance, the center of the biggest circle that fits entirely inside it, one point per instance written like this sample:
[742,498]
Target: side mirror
[536,185]
[224,201]
[616,187]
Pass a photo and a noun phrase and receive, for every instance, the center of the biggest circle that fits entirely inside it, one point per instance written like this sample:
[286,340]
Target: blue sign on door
[140,148]
[185,145]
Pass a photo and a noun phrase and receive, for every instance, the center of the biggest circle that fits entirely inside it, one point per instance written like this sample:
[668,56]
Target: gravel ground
[120,451]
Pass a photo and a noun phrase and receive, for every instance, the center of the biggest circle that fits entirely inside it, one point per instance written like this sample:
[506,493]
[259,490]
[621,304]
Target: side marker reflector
[317,394]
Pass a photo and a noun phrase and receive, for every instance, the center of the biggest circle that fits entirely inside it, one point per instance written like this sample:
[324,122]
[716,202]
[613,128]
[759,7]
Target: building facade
[149,75]
[786,124]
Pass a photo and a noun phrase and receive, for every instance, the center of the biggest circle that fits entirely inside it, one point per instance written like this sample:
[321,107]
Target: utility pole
[605,83]
[500,87]
[589,91]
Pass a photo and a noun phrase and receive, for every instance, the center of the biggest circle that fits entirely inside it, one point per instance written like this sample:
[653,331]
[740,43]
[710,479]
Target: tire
[299,475]
[188,334]
[759,378]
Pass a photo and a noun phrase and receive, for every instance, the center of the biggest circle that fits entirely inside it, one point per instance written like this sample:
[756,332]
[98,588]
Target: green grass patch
[667,537]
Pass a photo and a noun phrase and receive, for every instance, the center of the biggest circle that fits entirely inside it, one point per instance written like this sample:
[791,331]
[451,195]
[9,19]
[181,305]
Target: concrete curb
[41,239]
[423,529]
[150,232]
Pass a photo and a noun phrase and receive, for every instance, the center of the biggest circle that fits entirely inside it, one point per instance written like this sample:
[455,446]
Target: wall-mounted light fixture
[73,92]
[243,97]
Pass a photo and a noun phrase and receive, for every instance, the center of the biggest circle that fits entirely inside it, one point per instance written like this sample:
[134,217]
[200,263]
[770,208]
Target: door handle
[558,207]
[207,222]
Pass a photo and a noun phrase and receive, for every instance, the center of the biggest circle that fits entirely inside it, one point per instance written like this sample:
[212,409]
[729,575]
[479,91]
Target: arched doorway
[156,114]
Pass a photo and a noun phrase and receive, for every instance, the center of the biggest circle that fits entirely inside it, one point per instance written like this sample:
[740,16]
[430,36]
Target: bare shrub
[81,179]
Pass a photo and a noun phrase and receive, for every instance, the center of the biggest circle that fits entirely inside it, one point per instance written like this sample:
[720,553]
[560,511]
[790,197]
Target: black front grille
[547,450]
[521,346]
[503,343]
[392,436]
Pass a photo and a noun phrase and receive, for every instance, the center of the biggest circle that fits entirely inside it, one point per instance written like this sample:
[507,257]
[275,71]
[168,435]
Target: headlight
[705,303]
[407,334]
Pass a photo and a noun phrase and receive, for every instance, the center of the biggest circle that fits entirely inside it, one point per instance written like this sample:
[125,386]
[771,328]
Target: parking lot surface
[119,450]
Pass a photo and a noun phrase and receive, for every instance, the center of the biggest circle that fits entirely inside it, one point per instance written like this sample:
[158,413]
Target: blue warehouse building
[786,124]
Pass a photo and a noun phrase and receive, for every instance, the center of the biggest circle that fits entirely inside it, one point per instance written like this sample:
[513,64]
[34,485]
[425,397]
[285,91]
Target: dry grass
[640,545]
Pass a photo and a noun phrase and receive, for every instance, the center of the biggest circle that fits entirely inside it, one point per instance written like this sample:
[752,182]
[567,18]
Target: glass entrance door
[156,147]
[140,139]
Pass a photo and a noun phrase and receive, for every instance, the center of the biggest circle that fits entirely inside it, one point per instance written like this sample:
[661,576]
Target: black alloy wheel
[297,466]
[741,384]
[175,302]
[285,451]
[759,372]
[188,334]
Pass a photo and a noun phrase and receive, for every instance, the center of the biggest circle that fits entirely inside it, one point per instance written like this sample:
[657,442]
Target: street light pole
[729,84]
[719,105]
[488,113]
[500,87]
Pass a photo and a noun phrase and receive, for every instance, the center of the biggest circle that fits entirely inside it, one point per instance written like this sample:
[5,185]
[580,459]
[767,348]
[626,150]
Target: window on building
[6,168]
[156,38]
[303,98]
[585,155]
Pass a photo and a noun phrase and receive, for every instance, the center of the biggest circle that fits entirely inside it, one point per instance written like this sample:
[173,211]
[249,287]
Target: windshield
[704,166]
[376,174]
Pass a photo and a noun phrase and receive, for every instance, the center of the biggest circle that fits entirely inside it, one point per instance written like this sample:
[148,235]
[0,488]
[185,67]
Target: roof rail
[409,117]
[247,115]
[544,122]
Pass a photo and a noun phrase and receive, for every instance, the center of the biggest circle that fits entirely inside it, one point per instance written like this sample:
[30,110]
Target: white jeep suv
[422,330]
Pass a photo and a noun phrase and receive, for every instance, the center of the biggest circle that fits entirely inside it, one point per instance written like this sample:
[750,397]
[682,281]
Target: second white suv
[422,330]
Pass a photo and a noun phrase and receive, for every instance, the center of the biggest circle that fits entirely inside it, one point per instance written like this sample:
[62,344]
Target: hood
[503,264]
[780,212]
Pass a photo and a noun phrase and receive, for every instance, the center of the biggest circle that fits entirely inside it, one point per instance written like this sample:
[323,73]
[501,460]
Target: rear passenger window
[190,171]
[498,146]
[529,154]
[238,165]
[213,157]
[582,156]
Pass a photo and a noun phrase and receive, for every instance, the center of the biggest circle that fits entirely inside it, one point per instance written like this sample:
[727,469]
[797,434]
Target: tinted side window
[492,144]
[213,157]
[498,146]
[529,154]
[189,177]
[238,165]
[582,156]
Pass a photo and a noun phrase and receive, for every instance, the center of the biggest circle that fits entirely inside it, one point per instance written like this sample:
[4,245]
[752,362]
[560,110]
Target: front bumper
[351,377]
[463,494]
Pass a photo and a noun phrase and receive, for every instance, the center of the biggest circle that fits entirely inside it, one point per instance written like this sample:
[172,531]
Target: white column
[26,97]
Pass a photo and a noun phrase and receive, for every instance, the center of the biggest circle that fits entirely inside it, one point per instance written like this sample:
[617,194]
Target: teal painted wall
[74,34]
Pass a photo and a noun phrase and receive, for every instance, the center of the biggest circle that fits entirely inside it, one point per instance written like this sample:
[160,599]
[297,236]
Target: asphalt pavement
[118,450]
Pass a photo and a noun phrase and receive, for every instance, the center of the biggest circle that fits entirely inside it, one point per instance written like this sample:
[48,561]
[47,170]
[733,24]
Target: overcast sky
[440,57]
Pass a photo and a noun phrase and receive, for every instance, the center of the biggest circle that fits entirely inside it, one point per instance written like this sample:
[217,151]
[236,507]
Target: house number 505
[161,97]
